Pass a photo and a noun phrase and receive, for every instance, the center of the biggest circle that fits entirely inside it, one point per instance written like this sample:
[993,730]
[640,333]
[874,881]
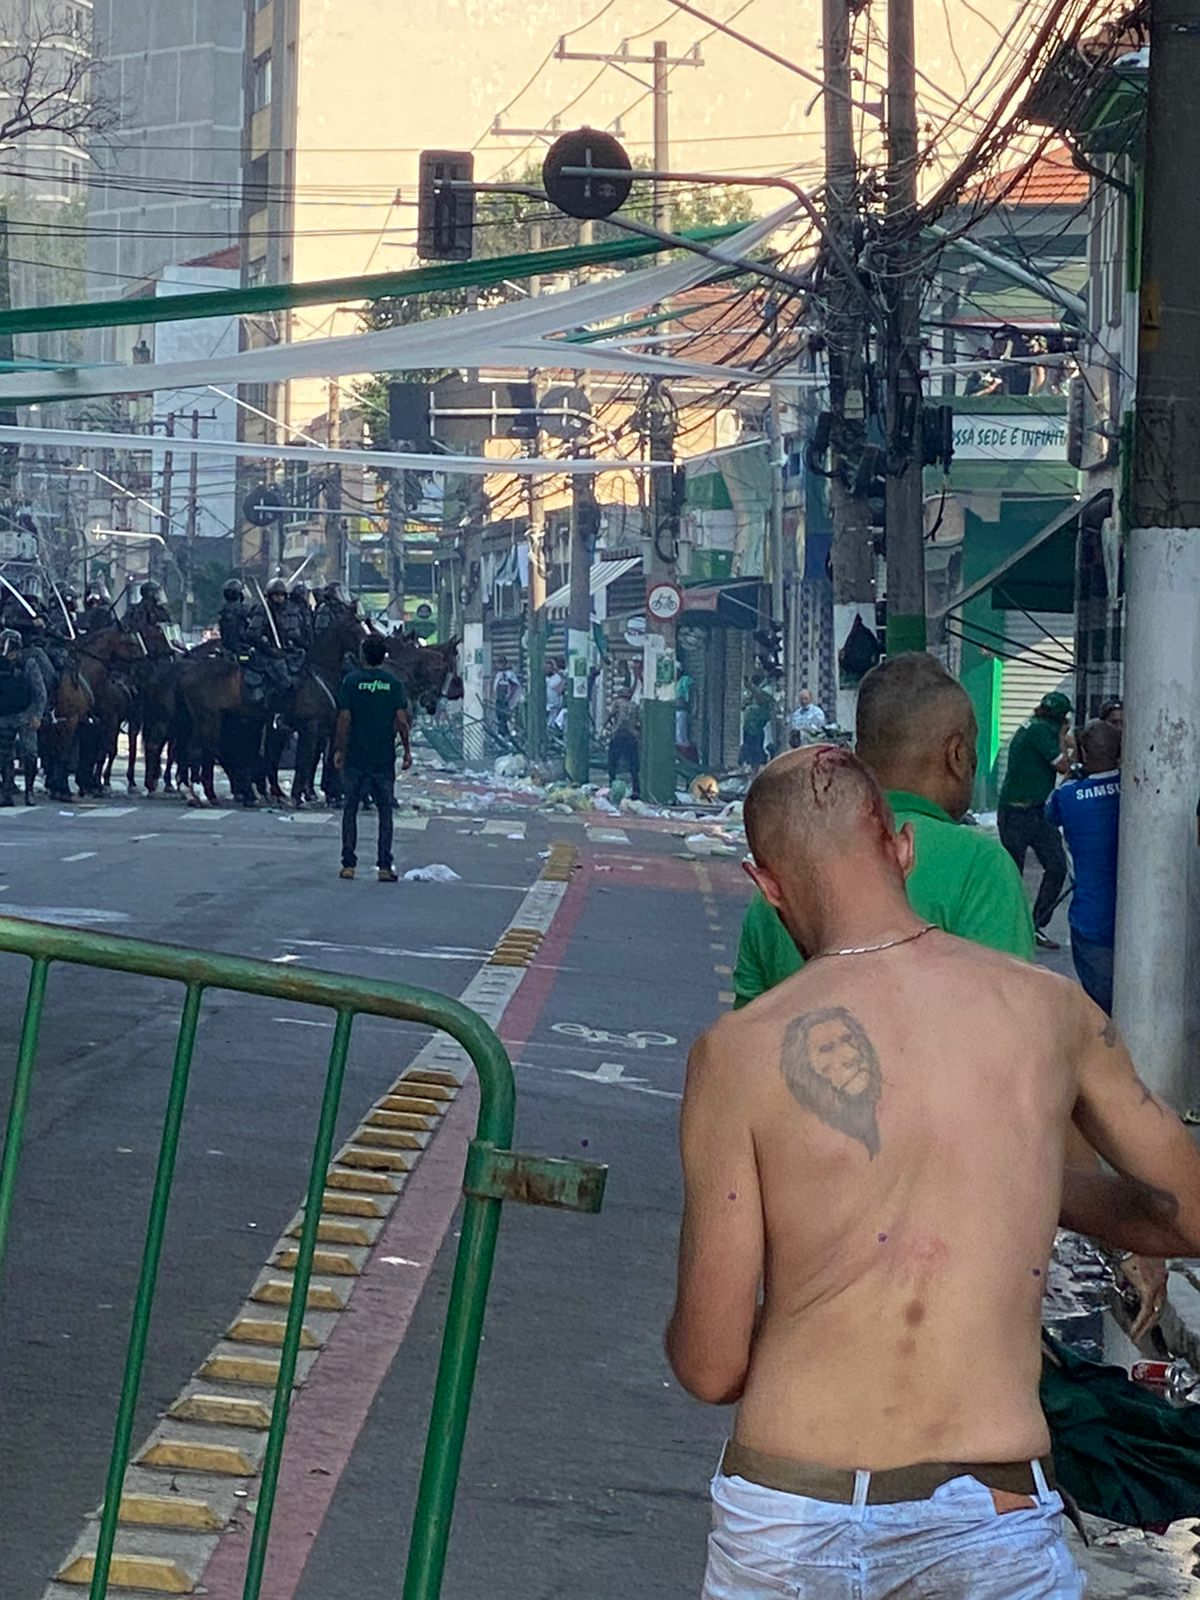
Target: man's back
[910,1169]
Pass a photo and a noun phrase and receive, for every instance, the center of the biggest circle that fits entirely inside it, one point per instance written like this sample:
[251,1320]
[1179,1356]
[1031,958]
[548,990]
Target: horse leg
[135,728]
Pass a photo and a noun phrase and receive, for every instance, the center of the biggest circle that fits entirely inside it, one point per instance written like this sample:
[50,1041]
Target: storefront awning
[733,604]
[1047,561]
[600,575]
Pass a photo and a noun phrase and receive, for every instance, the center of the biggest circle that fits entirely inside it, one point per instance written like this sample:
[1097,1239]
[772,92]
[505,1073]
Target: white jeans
[767,1545]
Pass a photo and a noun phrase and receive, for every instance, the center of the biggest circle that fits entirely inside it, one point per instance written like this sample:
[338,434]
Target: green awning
[1040,575]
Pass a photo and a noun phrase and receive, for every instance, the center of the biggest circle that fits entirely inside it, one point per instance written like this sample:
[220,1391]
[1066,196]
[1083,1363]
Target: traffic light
[445,216]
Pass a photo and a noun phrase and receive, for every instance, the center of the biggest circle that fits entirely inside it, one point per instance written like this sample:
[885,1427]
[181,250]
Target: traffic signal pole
[658,657]
[1158,884]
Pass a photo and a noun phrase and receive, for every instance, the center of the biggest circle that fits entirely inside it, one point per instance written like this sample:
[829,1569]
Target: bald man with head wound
[873,1167]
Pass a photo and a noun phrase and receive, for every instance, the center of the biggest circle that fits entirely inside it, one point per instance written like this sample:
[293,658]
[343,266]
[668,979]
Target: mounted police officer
[234,618]
[97,610]
[299,614]
[150,619]
[333,607]
[22,704]
[278,644]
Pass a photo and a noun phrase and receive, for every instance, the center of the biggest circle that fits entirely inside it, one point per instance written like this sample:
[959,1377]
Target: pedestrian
[807,723]
[917,734]
[683,707]
[757,710]
[22,705]
[372,711]
[507,693]
[556,686]
[1039,753]
[1113,711]
[1088,810]
[623,728]
[886,1130]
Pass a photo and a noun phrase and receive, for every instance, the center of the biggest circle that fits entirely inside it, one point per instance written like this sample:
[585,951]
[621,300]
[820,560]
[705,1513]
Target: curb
[198,1468]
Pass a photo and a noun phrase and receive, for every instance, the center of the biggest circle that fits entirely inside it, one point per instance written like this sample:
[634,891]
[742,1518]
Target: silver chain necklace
[870,949]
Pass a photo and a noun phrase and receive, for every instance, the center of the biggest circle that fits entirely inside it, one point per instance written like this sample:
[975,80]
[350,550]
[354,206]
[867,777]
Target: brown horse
[429,672]
[90,703]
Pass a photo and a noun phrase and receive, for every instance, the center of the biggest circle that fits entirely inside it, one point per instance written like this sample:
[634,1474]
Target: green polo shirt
[1030,776]
[962,881]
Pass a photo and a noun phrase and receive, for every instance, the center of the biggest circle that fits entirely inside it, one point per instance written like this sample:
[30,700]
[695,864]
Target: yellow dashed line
[354,1205]
[400,1119]
[329,1263]
[227,1410]
[169,1511]
[184,1455]
[254,1330]
[242,1369]
[331,1232]
[158,1574]
[376,1160]
[390,1138]
[277,1292]
[360,1182]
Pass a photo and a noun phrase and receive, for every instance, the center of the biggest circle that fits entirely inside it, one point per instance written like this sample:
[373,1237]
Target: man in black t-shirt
[372,710]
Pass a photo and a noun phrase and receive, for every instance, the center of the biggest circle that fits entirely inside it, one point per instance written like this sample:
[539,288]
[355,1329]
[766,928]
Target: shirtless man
[878,1142]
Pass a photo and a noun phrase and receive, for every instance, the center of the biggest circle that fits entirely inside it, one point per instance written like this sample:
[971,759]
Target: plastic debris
[704,844]
[732,812]
[705,788]
[513,766]
[436,872]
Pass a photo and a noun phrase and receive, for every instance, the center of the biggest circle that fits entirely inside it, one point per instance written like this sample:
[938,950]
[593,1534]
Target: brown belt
[889,1487]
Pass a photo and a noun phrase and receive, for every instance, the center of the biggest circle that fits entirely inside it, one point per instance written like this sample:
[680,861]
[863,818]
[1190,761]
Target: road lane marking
[607,836]
[81,855]
[108,811]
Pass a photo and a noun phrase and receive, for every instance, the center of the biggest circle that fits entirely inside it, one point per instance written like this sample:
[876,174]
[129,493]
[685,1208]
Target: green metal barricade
[494,1173]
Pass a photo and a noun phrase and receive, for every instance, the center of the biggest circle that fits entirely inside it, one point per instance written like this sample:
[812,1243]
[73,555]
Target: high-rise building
[166,182]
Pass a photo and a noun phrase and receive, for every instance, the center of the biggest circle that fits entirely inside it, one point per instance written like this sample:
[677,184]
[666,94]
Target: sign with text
[1010,436]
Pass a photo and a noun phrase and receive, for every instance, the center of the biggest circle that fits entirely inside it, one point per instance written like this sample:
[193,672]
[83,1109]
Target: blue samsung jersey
[1088,810]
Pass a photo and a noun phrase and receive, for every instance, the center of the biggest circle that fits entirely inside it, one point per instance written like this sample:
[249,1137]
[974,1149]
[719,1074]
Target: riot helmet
[233,590]
[31,586]
[10,642]
[277,590]
[97,595]
[300,592]
[151,593]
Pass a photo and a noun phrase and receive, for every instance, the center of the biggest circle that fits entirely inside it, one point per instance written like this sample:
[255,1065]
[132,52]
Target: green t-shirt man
[963,881]
[1031,774]
[372,696]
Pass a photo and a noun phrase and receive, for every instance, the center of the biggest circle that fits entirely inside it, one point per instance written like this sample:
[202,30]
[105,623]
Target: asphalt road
[256,884]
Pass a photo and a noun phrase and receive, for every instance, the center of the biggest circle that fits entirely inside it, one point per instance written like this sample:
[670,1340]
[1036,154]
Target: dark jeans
[358,786]
[623,752]
[1025,828]
[1094,969]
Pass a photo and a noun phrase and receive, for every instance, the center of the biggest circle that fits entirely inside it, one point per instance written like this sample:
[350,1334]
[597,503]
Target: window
[261,89]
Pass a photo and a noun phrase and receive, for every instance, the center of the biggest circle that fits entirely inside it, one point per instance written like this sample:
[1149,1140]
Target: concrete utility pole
[535,654]
[193,508]
[662,138]
[168,480]
[577,742]
[853,558]
[905,518]
[658,657]
[1158,900]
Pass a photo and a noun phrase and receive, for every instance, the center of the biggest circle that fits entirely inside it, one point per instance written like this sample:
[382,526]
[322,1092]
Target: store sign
[1010,436]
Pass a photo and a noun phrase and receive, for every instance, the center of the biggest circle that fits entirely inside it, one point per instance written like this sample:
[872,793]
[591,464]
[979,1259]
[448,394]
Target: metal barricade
[493,1174]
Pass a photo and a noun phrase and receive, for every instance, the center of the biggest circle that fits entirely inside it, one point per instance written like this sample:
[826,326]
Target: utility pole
[535,653]
[189,574]
[339,566]
[168,479]
[662,138]
[577,742]
[905,515]
[853,558]
[658,658]
[1158,883]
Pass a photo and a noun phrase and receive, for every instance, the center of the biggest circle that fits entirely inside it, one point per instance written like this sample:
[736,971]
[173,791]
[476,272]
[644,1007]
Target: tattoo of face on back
[831,1069]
